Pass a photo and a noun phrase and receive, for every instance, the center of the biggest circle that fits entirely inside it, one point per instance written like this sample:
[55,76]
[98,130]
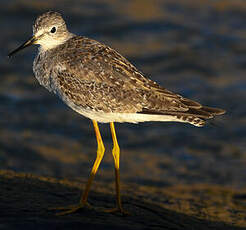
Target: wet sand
[193,175]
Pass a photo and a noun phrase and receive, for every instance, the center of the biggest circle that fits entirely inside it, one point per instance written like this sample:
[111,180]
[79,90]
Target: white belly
[103,117]
[124,117]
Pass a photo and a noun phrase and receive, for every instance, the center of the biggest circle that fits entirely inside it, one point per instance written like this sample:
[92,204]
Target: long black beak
[24,45]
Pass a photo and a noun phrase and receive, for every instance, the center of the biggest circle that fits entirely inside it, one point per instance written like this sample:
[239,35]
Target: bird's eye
[53,30]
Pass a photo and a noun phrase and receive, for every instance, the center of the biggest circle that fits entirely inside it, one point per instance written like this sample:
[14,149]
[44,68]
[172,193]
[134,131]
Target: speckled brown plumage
[88,75]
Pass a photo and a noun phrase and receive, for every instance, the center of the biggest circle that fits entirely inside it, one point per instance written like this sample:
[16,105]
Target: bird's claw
[117,210]
[70,208]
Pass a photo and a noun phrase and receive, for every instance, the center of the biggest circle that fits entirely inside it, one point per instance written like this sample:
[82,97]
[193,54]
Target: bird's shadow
[25,199]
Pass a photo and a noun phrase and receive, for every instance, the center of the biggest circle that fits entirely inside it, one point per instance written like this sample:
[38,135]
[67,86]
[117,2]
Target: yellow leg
[100,153]
[116,155]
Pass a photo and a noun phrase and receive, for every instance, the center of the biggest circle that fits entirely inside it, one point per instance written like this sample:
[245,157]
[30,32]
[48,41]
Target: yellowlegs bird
[99,83]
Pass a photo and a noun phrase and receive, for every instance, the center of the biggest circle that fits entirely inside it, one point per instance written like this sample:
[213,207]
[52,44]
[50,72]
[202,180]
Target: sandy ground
[173,176]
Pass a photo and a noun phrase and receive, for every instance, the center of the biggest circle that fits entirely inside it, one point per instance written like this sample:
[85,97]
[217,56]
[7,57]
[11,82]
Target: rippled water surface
[194,48]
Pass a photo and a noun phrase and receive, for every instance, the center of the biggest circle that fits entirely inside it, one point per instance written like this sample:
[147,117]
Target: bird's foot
[70,209]
[117,210]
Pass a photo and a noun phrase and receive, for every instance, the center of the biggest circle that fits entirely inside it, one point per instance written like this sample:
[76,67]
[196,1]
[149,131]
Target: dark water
[194,48]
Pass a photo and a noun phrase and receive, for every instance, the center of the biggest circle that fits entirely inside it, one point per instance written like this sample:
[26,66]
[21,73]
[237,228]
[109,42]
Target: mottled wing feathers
[96,96]
[103,80]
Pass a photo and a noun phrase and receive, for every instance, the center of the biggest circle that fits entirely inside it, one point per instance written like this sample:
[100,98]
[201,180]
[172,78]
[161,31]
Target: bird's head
[49,31]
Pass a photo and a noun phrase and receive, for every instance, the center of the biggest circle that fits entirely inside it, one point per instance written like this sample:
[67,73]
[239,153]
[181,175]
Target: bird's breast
[42,71]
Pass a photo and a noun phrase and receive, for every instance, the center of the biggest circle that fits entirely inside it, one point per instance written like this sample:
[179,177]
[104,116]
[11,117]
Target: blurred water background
[194,48]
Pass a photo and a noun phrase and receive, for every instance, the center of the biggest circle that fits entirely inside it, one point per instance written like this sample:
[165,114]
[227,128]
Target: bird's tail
[195,115]
[198,116]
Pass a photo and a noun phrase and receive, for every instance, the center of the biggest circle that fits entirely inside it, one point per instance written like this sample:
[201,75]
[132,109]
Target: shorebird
[100,84]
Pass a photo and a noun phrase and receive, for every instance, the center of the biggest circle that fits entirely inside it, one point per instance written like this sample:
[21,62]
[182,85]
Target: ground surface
[25,200]
[174,176]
